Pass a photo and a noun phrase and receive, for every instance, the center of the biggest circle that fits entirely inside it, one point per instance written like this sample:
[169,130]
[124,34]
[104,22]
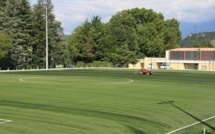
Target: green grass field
[106,101]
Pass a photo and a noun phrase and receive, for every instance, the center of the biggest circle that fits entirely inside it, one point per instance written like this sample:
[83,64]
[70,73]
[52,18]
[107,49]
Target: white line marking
[28,80]
[130,81]
[24,80]
[2,121]
[191,125]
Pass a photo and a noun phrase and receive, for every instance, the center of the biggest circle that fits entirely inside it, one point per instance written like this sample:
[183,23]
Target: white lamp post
[47,60]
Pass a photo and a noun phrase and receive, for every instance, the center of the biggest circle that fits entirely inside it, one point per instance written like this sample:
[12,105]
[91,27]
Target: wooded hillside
[204,39]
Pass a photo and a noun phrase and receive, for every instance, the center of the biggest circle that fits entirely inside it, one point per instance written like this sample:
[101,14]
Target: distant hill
[192,38]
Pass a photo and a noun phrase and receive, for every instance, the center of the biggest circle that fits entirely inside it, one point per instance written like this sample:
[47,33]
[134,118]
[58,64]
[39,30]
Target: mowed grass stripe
[110,108]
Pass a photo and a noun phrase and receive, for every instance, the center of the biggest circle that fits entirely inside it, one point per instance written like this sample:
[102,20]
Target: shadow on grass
[135,130]
[126,120]
[194,117]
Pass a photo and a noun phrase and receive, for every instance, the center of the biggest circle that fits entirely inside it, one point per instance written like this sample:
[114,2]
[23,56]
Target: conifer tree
[55,32]
[39,34]
[9,22]
[24,37]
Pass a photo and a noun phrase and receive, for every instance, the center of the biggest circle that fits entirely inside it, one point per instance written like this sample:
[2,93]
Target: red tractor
[145,71]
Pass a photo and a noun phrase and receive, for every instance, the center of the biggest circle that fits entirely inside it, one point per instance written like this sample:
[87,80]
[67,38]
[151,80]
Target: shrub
[80,64]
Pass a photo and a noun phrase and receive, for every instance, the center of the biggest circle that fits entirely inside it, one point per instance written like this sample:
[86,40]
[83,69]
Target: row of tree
[22,34]
[128,36]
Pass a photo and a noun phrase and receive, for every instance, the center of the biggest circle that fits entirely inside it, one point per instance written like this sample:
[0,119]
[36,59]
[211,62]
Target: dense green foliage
[5,44]
[102,101]
[129,35]
[205,39]
[26,26]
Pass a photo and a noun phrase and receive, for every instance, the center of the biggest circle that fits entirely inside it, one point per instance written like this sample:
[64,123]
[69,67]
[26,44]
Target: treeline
[23,32]
[128,36]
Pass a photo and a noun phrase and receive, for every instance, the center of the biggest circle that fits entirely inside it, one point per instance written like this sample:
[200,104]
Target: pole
[213,60]
[47,60]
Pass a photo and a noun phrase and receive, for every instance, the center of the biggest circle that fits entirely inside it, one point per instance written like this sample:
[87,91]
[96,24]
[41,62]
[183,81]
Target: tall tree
[39,34]
[136,32]
[9,25]
[55,32]
[97,34]
[24,37]
[122,33]
[82,43]
[56,46]
[150,29]
[172,34]
[27,29]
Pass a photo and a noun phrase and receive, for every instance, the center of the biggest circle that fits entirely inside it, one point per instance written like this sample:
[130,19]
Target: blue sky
[194,15]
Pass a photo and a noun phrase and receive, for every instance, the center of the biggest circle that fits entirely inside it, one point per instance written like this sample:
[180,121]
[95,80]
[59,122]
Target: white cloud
[74,12]
[191,11]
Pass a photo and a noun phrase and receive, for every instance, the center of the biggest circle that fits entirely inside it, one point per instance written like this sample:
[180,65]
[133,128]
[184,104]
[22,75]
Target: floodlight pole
[47,60]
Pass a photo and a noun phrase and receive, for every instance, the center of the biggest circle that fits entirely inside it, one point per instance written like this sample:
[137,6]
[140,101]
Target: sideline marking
[2,121]
[25,79]
[130,81]
[190,125]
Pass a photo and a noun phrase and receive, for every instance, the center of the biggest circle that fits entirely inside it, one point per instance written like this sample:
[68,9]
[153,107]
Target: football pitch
[107,101]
